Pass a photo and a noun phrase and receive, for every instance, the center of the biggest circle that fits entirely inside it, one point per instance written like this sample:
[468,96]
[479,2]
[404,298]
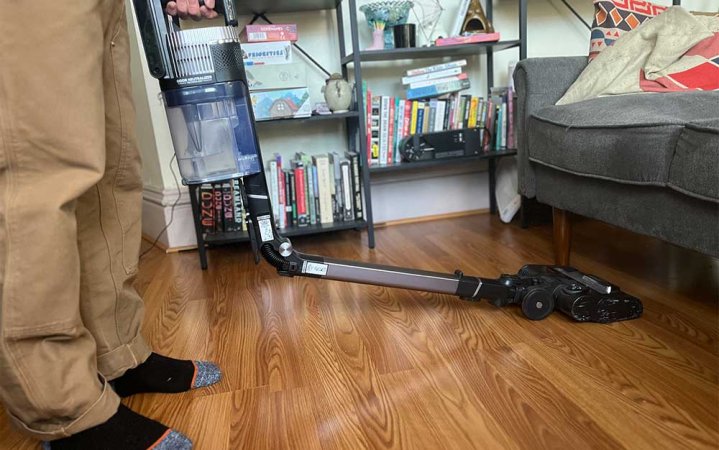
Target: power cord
[172,209]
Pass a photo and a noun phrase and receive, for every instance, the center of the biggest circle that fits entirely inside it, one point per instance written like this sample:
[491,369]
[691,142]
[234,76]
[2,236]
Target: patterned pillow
[612,18]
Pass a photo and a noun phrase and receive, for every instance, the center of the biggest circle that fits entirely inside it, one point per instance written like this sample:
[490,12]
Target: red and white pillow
[613,18]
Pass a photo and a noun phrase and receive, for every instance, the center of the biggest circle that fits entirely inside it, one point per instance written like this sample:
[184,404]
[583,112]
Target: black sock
[162,374]
[126,430]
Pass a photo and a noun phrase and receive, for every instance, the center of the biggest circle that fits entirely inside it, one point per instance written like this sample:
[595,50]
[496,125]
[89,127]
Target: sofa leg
[562,236]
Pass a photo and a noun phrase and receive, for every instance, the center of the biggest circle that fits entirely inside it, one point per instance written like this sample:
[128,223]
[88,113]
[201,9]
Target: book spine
[447,108]
[310,191]
[497,127]
[239,214]
[325,188]
[337,172]
[384,130]
[467,112]
[228,211]
[207,208]
[423,84]
[368,112]
[432,120]
[432,76]
[473,113]
[316,184]
[407,118]
[399,126]
[274,189]
[439,117]
[217,196]
[281,195]
[438,89]
[414,117]
[390,130]
[356,186]
[347,190]
[376,129]
[420,117]
[294,194]
[436,68]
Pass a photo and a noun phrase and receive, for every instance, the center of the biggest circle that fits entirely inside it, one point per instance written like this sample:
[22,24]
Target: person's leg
[52,150]
[109,234]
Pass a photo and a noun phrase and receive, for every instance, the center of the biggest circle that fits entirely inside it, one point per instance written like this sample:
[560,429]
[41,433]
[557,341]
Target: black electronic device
[212,124]
[442,145]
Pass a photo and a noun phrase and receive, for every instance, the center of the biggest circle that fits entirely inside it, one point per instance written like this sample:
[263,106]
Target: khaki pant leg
[52,151]
[109,227]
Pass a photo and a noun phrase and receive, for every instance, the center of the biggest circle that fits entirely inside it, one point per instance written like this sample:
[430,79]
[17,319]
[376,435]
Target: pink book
[470,39]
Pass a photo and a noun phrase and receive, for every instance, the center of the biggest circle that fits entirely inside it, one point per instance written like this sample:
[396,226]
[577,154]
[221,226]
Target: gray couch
[648,163]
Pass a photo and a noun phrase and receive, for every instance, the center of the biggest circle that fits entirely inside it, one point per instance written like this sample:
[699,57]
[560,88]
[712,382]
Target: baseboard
[157,213]
[431,218]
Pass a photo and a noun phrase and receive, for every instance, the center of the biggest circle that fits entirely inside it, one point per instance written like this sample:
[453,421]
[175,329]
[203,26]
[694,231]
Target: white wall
[552,31]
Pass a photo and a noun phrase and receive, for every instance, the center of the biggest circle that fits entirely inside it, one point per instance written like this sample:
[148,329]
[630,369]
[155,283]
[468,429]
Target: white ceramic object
[338,93]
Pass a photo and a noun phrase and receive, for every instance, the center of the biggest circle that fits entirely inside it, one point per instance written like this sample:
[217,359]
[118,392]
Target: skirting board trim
[455,215]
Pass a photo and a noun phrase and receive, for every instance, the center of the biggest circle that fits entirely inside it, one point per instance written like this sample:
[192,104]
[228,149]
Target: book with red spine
[282,193]
[475,38]
[301,195]
[390,131]
[207,208]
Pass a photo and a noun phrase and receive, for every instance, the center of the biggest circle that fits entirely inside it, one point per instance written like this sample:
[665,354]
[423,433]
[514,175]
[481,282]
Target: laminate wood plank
[312,364]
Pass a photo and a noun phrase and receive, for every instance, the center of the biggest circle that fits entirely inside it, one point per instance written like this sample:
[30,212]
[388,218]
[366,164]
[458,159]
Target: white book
[461,15]
[439,118]
[421,84]
[432,75]
[437,68]
[384,130]
[274,190]
[323,179]
[348,210]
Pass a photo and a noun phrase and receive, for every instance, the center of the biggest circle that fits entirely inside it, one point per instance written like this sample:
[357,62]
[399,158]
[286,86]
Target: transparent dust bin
[212,132]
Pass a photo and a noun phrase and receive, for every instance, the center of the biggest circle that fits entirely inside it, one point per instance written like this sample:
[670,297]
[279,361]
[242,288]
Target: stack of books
[310,190]
[391,119]
[435,81]
[315,190]
[278,85]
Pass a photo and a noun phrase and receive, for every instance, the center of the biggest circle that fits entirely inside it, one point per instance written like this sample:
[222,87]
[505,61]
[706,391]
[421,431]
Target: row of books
[392,119]
[221,207]
[437,80]
[314,190]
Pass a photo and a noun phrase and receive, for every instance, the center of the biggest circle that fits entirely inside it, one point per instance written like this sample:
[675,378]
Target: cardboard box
[267,53]
[269,33]
[282,104]
[286,76]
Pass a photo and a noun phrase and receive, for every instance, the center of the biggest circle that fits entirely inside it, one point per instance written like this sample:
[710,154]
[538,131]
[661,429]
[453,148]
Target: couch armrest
[539,82]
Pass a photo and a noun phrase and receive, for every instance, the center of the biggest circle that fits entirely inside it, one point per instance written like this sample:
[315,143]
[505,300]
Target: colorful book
[293,197]
[432,117]
[356,185]
[436,68]
[423,84]
[420,117]
[391,125]
[228,210]
[207,208]
[376,129]
[475,38]
[346,174]
[438,89]
[510,119]
[384,129]
[414,118]
[269,33]
[473,113]
[322,163]
[217,196]
[432,76]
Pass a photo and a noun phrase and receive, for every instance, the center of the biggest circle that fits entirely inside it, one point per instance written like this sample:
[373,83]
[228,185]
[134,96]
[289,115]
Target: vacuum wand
[209,108]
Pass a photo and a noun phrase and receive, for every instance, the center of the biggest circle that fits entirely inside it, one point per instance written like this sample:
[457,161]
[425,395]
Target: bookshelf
[351,60]
[355,58]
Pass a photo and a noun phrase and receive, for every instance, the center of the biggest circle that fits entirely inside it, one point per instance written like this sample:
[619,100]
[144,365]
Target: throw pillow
[613,18]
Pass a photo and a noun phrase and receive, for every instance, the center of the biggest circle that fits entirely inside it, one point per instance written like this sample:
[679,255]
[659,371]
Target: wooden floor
[310,364]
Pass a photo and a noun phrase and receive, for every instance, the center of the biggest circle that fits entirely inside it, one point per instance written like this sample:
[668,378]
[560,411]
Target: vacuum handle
[224,7]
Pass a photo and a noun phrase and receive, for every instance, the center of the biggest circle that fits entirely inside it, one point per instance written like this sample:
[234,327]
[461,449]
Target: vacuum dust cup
[212,132]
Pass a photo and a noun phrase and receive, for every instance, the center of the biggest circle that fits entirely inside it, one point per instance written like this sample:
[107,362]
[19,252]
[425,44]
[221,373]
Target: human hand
[194,9]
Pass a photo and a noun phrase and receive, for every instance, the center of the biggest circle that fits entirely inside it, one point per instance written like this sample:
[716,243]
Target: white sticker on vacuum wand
[266,233]
[312,268]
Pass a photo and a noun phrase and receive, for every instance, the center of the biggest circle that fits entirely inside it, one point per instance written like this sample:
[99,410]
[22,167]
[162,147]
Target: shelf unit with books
[353,60]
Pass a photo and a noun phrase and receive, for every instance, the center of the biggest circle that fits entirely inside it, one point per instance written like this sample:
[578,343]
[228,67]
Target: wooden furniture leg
[562,236]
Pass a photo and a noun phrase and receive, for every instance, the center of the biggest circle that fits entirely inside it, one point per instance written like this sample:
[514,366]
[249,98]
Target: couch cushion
[627,138]
[695,167]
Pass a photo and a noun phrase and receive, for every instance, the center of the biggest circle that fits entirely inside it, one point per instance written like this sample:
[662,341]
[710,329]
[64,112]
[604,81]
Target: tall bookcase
[355,120]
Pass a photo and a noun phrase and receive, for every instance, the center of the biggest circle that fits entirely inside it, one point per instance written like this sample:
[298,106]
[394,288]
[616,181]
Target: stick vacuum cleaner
[204,85]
